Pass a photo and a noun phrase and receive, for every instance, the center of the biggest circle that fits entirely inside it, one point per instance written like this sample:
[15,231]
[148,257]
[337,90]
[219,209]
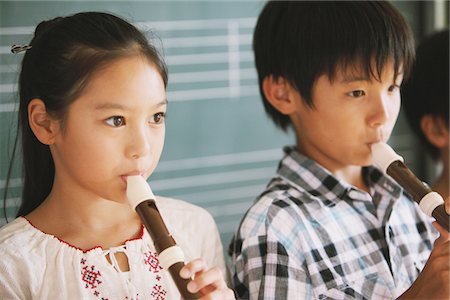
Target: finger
[193,267]
[205,281]
[226,294]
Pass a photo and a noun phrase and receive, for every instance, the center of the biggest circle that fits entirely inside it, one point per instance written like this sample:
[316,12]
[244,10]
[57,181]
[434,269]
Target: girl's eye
[357,93]
[115,121]
[158,118]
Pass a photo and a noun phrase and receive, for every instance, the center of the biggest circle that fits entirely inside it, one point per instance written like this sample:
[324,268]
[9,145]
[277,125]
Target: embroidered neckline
[139,237]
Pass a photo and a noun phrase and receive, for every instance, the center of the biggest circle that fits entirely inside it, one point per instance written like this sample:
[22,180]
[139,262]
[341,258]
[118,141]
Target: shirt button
[391,233]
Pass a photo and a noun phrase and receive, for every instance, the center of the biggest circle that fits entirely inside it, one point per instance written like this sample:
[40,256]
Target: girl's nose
[138,143]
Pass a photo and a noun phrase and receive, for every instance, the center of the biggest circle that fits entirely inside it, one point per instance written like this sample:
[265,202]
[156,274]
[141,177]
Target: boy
[330,226]
[426,96]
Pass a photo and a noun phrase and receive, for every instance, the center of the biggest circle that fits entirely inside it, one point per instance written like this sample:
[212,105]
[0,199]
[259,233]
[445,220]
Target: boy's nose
[379,113]
[138,144]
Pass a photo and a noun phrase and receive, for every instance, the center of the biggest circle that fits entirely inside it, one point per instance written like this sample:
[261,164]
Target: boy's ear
[280,94]
[43,126]
[436,131]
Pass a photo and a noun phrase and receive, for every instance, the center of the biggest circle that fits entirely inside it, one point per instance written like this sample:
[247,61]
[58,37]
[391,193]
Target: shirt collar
[311,177]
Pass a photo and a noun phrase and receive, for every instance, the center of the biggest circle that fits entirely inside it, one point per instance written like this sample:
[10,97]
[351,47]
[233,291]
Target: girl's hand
[209,283]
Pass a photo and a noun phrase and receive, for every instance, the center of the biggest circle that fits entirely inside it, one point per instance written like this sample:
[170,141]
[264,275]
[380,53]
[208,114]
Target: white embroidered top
[36,265]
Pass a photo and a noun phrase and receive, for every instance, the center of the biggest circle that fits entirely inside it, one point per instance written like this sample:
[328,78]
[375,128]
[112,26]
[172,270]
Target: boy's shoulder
[281,205]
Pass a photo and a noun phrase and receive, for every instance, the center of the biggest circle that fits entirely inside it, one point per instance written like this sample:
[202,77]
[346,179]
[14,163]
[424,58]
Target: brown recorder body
[170,256]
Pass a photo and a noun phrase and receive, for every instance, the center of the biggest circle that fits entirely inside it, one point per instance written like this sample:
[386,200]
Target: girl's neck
[85,221]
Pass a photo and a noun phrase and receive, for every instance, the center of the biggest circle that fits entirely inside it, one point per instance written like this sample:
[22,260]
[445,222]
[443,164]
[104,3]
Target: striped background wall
[220,147]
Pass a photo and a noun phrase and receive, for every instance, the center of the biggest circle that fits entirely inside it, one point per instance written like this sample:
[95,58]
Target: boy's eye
[158,118]
[116,121]
[357,93]
[393,88]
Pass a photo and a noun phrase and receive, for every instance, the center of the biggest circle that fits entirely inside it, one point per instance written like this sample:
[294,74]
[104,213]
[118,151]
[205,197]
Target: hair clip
[19,48]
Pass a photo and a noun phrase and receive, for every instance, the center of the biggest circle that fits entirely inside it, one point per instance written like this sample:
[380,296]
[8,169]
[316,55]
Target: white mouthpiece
[138,190]
[383,156]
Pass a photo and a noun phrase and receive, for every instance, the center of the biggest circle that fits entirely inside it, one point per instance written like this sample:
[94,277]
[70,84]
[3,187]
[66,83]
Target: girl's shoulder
[21,238]
[182,210]
[18,233]
[194,229]
[186,219]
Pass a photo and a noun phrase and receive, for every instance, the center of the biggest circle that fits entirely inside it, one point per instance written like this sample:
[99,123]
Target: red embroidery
[158,292]
[152,260]
[91,277]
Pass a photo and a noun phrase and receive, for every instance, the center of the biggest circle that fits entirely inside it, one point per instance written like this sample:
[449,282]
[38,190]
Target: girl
[92,109]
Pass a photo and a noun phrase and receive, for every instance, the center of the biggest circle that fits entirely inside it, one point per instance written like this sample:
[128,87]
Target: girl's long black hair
[65,52]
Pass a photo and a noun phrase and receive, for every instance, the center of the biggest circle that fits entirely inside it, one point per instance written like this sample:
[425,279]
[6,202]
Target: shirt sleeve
[212,249]
[12,278]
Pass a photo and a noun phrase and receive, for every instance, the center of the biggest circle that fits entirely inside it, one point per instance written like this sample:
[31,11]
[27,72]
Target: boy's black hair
[427,91]
[302,40]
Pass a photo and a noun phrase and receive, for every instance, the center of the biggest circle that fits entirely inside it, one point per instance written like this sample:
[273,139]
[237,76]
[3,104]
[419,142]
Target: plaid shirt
[313,236]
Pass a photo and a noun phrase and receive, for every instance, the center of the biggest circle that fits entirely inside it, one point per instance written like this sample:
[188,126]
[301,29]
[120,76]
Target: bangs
[373,41]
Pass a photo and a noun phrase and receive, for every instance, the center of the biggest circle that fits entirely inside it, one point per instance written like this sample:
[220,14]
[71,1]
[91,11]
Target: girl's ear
[43,126]
[436,130]
[280,94]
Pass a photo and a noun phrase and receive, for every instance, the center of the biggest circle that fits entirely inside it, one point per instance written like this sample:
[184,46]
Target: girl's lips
[124,177]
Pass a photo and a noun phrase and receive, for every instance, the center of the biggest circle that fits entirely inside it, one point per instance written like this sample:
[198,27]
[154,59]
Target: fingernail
[184,273]
[192,287]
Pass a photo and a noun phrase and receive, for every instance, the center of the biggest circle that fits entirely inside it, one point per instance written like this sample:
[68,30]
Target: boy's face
[350,113]
[114,129]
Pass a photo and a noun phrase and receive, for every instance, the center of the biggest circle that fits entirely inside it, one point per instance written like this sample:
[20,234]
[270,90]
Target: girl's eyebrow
[118,106]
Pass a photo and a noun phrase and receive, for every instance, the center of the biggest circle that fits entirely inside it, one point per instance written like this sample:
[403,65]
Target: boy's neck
[352,175]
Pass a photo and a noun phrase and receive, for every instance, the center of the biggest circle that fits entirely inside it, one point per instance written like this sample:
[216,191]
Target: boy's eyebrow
[351,78]
[110,105]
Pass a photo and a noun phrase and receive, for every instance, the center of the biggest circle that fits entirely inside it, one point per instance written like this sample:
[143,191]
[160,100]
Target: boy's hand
[209,283]
[433,281]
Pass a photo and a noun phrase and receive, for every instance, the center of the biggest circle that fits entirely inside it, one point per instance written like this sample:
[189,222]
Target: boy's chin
[367,162]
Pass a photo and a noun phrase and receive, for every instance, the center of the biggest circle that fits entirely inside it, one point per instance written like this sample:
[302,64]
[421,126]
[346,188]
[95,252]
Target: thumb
[444,234]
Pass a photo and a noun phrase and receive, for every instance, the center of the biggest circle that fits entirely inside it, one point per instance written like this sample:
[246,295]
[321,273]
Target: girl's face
[114,129]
